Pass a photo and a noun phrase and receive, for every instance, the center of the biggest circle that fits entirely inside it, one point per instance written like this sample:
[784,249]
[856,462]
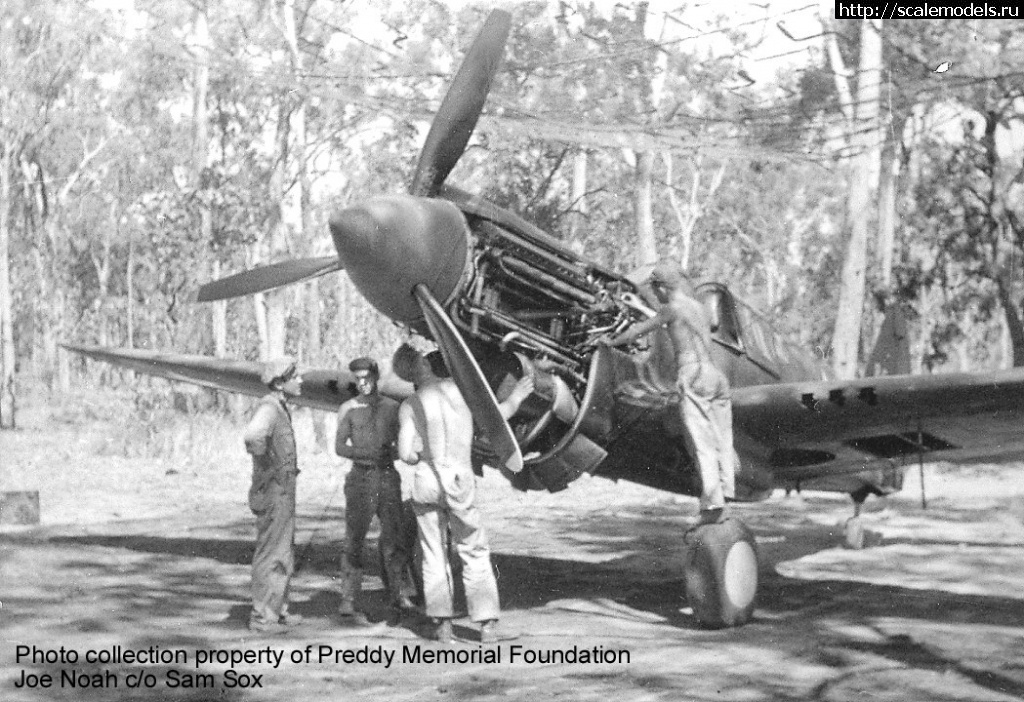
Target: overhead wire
[650,46]
[768,117]
[281,79]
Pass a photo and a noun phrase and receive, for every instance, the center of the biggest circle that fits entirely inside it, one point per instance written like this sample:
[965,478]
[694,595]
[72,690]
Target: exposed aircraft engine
[537,298]
[543,308]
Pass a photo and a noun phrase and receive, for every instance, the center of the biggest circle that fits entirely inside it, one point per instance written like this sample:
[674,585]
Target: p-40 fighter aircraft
[501,298]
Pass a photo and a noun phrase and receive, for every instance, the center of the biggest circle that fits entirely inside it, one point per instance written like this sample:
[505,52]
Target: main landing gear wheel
[721,573]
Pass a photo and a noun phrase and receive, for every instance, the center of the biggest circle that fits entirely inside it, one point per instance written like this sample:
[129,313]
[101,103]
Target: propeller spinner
[389,245]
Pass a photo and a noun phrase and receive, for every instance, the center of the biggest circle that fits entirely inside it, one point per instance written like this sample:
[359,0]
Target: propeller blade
[454,122]
[269,277]
[470,379]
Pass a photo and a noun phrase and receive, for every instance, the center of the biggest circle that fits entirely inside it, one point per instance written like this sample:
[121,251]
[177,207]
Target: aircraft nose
[355,231]
[389,245]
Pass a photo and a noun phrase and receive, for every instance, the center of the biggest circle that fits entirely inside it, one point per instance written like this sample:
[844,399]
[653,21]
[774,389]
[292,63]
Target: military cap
[364,363]
[403,363]
[279,369]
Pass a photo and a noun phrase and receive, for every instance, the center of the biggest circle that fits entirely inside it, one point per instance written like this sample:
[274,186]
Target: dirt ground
[145,542]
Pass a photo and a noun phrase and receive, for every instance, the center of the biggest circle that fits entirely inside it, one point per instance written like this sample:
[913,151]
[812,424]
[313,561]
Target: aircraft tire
[721,573]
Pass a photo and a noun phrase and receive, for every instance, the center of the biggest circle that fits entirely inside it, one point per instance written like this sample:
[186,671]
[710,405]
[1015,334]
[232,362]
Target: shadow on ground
[643,573]
[101,588]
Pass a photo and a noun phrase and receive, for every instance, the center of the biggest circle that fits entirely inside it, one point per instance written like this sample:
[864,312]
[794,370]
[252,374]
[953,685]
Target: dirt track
[933,613]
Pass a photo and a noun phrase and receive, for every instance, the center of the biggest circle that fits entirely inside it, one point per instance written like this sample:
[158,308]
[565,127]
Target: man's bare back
[688,323]
[435,433]
[705,407]
[689,326]
[448,433]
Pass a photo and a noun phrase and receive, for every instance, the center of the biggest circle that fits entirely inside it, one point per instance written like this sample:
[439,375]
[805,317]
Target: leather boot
[351,588]
[491,633]
[443,630]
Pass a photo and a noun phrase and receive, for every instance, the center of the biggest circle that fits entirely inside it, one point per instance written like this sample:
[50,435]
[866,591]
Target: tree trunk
[61,356]
[687,215]
[220,319]
[129,283]
[200,160]
[685,223]
[303,218]
[343,317]
[846,337]
[276,300]
[7,359]
[276,323]
[313,355]
[890,172]
[101,262]
[313,336]
[103,270]
[648,244]
[259,308]
[886,240]
[578,218]
[129,277]
[1014,324]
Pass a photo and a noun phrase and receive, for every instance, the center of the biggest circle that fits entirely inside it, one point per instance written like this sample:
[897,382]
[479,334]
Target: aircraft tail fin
[891,355]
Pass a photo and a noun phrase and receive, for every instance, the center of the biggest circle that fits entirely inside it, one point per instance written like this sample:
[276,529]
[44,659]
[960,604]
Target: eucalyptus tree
[54,138]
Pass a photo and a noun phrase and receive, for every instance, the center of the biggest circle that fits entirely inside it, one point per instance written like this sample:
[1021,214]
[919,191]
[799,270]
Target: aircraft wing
[323,389]
[814,429]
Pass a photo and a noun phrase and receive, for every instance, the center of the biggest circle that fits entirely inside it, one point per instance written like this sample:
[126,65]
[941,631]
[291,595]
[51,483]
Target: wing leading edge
[321,388]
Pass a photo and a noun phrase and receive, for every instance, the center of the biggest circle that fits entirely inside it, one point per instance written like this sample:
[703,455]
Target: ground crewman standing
[367,431]
[270,440]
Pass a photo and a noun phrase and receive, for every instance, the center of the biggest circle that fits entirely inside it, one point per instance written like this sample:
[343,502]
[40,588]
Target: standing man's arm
[510,405]
[663,317]
[390,408]
[343,432]
[408,437]
[258,430]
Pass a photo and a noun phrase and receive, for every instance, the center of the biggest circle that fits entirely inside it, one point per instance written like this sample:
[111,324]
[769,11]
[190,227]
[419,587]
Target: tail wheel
[721,573]
[853,534]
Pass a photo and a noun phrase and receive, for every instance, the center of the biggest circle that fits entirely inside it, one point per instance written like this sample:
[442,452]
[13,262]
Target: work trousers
[441,521]
[706,410]
[377,491]
[273,561]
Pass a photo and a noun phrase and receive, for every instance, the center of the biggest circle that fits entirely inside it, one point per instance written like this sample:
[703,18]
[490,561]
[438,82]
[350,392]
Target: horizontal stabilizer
[265,278]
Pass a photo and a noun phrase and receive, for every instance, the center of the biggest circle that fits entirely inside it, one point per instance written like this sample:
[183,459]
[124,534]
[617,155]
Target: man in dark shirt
[367,430]
[271,442]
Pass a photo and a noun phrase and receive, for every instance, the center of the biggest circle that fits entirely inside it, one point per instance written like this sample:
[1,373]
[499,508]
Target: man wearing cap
[706,406]
[435,435]
[367,430]
[271,442]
